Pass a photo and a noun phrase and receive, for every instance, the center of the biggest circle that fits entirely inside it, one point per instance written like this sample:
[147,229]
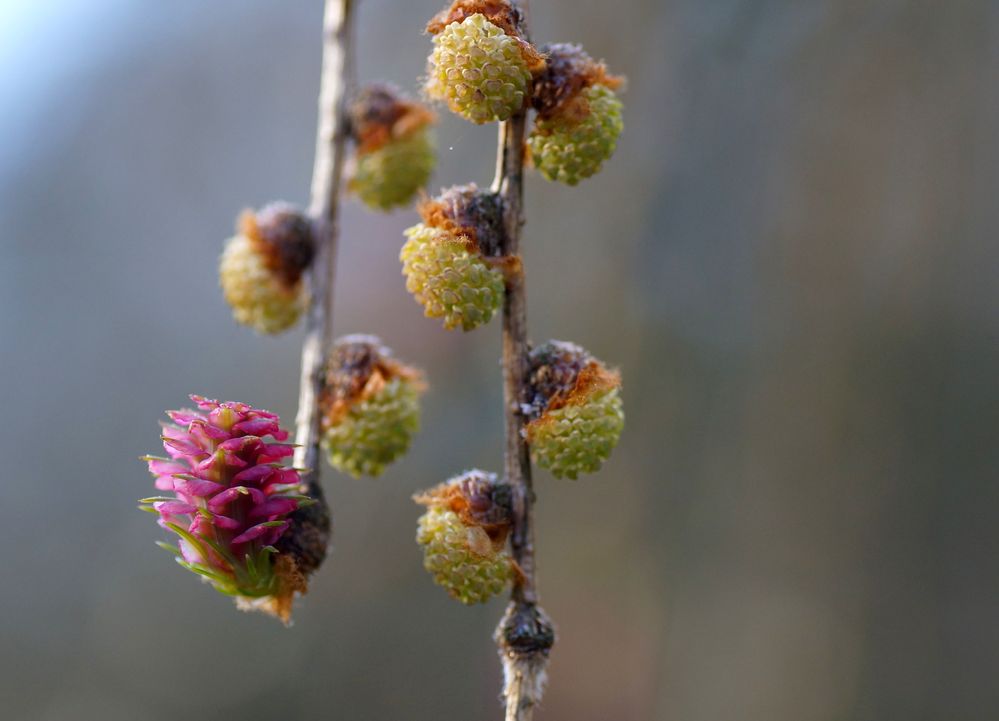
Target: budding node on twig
[525,636]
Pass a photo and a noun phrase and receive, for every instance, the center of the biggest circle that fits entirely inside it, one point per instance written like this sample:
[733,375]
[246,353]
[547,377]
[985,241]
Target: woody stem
[524,635]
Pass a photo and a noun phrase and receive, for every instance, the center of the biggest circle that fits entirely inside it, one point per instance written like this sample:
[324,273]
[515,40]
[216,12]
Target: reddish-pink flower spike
[231,501]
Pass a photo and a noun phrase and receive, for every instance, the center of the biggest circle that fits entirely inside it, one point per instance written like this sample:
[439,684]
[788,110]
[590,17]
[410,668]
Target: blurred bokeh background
[792,258]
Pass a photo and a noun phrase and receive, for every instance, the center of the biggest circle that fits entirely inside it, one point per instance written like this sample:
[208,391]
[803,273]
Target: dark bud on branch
[308,537]
[525,636]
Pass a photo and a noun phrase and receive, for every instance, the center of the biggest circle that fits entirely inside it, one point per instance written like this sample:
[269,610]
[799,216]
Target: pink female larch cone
[231,501]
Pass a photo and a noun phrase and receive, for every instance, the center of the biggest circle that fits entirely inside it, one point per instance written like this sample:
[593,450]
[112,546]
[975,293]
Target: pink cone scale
[228,498]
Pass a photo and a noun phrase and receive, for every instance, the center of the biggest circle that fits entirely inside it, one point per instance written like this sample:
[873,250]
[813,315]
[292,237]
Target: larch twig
[525,634]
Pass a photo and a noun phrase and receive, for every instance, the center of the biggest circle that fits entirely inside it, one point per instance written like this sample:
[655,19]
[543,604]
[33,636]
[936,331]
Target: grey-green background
[792,258]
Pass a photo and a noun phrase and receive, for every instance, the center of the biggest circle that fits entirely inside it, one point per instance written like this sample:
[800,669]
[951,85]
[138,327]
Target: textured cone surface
[393,174]
[231,501]
[568,149]
[478,70]
[448,280]
[376,430]
[468,576]
[258,298]
[577,439]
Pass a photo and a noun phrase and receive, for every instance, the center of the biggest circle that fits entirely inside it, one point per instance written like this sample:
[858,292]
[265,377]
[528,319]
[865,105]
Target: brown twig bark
[525,634]
[331,138]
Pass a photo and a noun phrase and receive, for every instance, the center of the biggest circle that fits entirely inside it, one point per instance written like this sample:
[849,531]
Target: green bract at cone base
[376,430]
[574,143]
[449,280]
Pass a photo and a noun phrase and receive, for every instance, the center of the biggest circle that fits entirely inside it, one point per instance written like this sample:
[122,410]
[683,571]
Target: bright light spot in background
[43,45]
[20,20]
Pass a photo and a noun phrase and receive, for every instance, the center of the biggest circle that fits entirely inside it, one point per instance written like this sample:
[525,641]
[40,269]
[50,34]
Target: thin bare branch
[525,634]
[331,138]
